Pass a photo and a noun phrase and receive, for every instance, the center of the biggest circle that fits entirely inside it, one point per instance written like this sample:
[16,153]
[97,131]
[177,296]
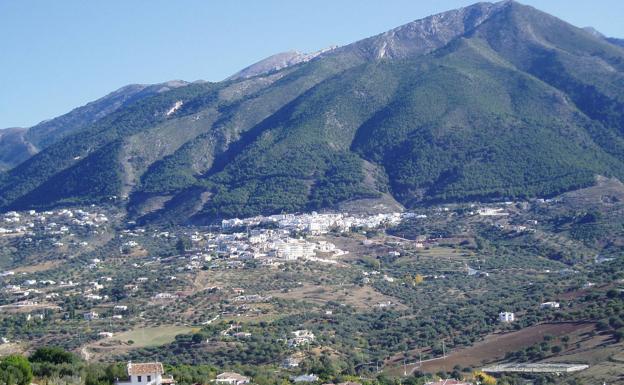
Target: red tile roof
[145,368]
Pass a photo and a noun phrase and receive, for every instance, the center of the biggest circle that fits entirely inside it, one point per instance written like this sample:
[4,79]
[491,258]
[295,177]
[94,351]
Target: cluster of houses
[267,245]
[32,292]
[51,224]
[315,223]
[507,317]
[276,238]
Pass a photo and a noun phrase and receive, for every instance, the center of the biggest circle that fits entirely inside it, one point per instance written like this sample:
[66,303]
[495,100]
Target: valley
[394,289]
[438,204]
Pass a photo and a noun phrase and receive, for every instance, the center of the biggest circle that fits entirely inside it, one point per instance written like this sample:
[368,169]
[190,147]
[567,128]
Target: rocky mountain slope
[276,62]
[491,101]
[17,145]
[14,148]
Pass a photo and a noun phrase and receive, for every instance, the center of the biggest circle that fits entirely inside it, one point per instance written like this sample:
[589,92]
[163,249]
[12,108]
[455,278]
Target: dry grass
[44,266]
[141,337]
[360,297]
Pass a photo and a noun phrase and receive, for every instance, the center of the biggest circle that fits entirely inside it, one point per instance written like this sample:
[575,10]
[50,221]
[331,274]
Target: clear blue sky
[59,54]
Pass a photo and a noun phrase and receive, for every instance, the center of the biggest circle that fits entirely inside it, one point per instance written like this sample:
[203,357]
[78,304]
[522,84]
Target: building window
[139,378]
[149,378]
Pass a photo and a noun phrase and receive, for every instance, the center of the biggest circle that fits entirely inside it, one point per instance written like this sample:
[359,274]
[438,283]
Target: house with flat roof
[506,317]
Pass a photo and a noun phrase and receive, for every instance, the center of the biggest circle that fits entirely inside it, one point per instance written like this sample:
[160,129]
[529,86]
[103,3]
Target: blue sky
[57,55]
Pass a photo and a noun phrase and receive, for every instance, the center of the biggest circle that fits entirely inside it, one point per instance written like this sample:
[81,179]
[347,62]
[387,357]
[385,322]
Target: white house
[91,315]
[148,373]
[506,317]
[305,378]
[231,378]
[291,362]
[301,337]
[550,305]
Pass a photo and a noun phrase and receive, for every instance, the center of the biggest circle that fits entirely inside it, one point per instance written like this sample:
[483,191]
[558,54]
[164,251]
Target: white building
[149,373]
[506,317]
[305,378]
[301,337]
[91,316]
[291,362]
[231,378]
[293,249]
[492,212]
[550,305]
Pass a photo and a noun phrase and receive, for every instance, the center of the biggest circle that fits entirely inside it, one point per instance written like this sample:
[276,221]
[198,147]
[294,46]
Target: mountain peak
[425,35]
[277,62]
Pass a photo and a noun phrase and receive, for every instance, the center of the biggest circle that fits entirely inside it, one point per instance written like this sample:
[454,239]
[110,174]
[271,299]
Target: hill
[491,101]
[21,144]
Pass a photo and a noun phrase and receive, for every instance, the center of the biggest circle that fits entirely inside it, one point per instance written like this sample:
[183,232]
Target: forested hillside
[492,101]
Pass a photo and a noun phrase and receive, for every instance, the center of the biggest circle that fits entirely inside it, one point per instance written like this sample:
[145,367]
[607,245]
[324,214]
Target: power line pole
[404,368]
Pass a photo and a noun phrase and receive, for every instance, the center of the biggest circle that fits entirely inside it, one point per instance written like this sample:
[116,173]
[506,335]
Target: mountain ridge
[48,131]
[490,101]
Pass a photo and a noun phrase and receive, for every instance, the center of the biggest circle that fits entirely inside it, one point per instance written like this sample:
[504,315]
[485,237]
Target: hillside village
[112,282]
[269,241]
[437,204]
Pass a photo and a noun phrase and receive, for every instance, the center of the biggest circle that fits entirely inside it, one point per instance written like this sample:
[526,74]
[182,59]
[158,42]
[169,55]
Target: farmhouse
[149,373]
[506,317]
[231,378]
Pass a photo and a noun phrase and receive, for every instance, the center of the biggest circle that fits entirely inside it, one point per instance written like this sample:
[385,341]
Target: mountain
[276,62]
[598,34]
[491,101]
[18,145]
[615,41]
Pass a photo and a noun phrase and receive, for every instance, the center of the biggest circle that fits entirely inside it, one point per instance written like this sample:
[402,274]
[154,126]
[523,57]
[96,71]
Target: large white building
[293,249]
[148,373]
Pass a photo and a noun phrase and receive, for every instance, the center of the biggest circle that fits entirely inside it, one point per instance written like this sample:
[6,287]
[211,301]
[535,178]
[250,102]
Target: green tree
[53,355]
[15,370]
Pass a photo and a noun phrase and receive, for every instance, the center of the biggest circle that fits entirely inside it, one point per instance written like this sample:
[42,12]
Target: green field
[152,336]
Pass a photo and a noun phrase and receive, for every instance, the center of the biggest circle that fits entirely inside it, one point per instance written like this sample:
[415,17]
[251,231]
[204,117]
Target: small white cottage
[148,373]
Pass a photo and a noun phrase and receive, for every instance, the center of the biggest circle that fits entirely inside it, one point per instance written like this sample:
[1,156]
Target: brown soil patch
[360,297]
[494,347]
[48,265]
